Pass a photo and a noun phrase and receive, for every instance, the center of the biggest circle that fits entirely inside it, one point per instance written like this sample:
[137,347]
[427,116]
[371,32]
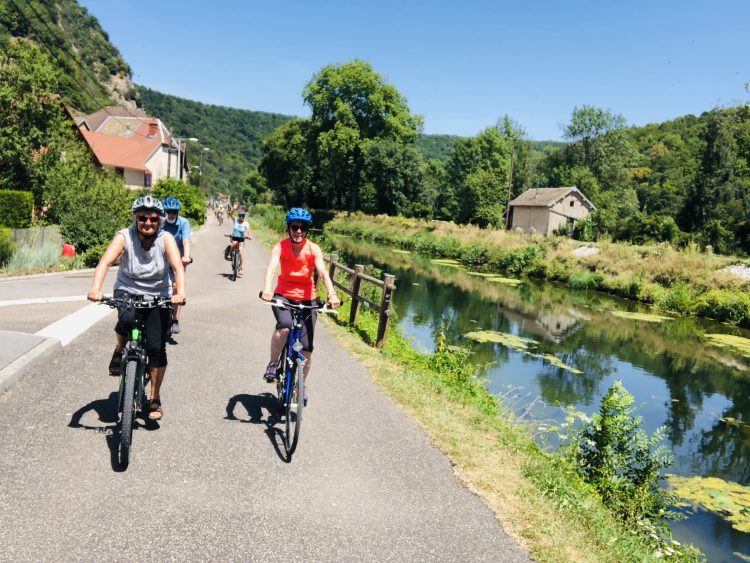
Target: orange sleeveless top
[296,278]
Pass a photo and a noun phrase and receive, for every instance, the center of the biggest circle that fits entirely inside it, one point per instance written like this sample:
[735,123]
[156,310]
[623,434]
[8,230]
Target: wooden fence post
[332,268]
[385,309]
[359,269]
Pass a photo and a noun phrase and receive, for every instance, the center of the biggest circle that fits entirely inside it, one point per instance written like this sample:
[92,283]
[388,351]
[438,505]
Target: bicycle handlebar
[230,236]
[324,308]
[152,303]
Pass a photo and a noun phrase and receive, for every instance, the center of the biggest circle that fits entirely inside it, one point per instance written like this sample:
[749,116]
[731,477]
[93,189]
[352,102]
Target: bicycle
[134,368]
[290,369]
[235,254]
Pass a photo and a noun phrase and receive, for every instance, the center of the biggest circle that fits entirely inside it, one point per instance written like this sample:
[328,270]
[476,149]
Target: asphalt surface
[209,481]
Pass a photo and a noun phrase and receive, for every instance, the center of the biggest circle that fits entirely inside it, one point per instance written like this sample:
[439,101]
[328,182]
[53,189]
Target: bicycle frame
[294,353]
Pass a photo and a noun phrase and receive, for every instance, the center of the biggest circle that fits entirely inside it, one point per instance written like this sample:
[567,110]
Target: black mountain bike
[234,255]
[134,369]
[290,386]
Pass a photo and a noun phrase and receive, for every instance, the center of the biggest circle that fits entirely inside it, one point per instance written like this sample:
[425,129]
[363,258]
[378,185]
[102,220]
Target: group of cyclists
[153,253]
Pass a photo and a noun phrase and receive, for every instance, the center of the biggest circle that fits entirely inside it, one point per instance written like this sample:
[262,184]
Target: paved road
[208,482]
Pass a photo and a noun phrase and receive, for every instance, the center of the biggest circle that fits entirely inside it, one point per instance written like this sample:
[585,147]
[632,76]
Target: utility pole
[510,185]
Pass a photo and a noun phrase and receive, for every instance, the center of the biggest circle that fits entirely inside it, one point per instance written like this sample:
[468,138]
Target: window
[572,203]
[120,171]
[147,179]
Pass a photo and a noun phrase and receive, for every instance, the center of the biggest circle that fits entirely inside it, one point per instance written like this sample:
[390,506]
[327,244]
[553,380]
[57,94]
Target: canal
[543,347]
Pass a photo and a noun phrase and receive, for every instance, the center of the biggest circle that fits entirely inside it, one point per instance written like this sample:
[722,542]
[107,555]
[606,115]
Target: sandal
[154,409]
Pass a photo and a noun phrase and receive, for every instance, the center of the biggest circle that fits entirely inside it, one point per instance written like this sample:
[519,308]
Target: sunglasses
[148,218]
[298,227]
[171,212]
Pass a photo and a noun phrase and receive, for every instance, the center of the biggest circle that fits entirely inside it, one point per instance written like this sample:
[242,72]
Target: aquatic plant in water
[730,501]
[641,316]
[736,343]
[518,343]
[446,262]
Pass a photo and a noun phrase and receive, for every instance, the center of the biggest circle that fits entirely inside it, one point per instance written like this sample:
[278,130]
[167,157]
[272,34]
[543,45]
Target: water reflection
[700,392]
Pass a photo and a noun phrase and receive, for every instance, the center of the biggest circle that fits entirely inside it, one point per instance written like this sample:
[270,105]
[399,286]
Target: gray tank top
[143,272]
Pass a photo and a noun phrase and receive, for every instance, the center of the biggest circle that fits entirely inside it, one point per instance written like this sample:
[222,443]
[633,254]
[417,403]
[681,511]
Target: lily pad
[446,262]
[506,281]
[736,343]
[510,340]
[730,501]
[555,361]
[400,251]
[482,274]
[641,316]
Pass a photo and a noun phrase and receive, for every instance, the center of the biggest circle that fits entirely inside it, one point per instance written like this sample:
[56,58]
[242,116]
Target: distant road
[209,483]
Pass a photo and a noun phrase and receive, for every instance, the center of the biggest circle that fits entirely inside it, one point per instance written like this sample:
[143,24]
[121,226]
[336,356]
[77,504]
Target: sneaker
[114,363]
[270,375]
[175,327]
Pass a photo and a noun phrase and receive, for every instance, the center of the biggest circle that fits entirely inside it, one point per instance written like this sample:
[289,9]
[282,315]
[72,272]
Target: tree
[391,177]
[351,104]
[33,129]
[589,123]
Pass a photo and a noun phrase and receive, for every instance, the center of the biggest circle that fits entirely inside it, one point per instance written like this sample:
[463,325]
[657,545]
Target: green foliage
[16,208]
[81,49]
[725,305]
[6,244]
[191,198]
[612,453]
[585,280]
[437,147]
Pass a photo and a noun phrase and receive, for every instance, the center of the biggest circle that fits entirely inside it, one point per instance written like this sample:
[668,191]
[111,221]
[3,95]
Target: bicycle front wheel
[127,413]
[235,264]
[294,407]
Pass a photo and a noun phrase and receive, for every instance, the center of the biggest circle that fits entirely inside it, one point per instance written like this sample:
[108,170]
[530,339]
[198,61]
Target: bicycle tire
[128,411]
[294,411]
[281,380]
[235,265]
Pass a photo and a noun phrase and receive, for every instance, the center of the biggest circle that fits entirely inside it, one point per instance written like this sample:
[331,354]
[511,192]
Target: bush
[6,245]
[725,306]
[191,198]
[16,208]
[91,256]
[585,280]
[677,298]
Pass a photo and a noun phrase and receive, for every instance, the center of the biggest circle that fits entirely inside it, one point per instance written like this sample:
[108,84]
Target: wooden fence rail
[356,277]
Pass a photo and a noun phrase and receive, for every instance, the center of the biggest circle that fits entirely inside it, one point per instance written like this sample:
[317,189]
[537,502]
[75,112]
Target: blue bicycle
[290,367]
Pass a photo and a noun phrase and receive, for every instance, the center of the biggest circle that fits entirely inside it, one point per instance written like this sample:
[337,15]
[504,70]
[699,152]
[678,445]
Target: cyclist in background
[146,253]
[179,228]
[299,259]
[240,230]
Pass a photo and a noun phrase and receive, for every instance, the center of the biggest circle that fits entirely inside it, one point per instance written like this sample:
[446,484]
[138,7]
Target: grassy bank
[536,496]
[687,282]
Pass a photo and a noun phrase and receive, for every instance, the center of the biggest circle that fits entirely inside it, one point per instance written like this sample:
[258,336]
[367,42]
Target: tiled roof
[545,197]
[96,119]
[119,151]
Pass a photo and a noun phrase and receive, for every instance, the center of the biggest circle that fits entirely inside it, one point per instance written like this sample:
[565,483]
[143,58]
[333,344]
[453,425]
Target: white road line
[35,300]
[68,328]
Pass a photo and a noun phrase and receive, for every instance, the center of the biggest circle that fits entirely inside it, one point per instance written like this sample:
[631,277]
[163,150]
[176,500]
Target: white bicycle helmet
[148,202]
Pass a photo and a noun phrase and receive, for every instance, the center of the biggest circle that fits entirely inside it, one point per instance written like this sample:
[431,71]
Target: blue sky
[459,64]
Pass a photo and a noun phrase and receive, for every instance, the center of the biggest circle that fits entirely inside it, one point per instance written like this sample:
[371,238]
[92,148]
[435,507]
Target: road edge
[18,368]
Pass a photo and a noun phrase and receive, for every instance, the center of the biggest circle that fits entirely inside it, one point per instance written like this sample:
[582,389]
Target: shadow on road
[254,406]
[106,411]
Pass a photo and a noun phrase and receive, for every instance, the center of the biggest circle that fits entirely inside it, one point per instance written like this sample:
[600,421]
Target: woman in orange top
[298,258]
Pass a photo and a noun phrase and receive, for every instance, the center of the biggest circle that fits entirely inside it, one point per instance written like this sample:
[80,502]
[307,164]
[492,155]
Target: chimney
[153,129]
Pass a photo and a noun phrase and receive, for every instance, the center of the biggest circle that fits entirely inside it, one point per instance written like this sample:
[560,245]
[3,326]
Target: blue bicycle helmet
[171,204]
[299,214]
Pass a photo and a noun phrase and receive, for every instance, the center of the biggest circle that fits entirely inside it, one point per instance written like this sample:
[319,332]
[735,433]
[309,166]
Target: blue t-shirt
[180,230]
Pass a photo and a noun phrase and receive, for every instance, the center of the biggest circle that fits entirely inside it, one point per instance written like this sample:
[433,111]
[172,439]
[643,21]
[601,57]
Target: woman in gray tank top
[146,253]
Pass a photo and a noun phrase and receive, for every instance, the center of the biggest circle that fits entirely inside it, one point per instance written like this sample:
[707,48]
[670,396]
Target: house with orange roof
[133,145]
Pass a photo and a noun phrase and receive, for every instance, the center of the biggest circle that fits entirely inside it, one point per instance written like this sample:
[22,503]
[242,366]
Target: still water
[700,392]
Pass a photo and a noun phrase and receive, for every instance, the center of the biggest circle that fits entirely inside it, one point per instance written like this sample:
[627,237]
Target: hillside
[232,135]
[93,71]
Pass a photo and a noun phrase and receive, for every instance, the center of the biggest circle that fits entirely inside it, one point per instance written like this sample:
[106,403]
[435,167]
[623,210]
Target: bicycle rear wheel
[294,407]
[127,404]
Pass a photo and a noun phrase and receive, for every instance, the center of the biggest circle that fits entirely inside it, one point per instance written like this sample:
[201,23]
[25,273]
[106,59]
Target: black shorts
[284,320]
[157,323]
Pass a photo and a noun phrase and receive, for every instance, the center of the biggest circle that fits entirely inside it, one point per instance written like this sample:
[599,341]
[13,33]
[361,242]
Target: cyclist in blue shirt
[179,228]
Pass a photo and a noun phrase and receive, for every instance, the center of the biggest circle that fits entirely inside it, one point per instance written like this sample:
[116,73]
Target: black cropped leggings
[156,323]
